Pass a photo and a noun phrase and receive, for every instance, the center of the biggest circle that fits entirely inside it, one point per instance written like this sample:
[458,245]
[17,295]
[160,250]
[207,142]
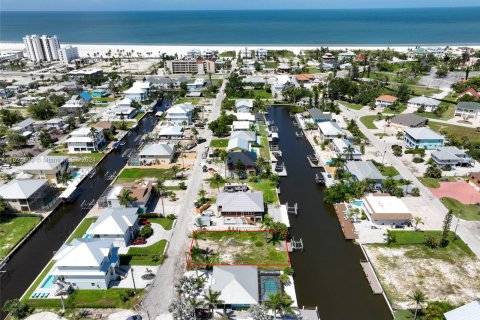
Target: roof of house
[248,103]
[43,163]
[238,143]
[247,158]
[423,133]
[125,101]
[468,105]
[319,114]
[245,116]
[83,252]
[304,77]
[241,201]
[134,90]
[253,79]
[21,189]
[387,207]
[363,170]
[387,98]
[24,123]
[114,221]
[241,125]
[171,131]
[157,149]
[246,135]
[469,311]
[409,120]
[341,145]
[238,285]
[427,101]
[330,128]
[452,149]
[470,91]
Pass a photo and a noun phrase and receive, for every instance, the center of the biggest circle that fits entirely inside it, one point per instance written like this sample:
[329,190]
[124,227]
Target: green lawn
[265,149]
[448,103]
[389,171]
[81,229]
[132,174]
[351,105]
[219,143]
[272,65]
[146,256]
[420,90]
[430,182]
[183,100]
[13,230]
[38,280]
[404,315]
[262,94]
[120,124]
[402,108]
[103,99]
[463,211]
[164,222]
[368,121]
[268,189]
[139,115]
[81,159]
[458,131]
[244,248]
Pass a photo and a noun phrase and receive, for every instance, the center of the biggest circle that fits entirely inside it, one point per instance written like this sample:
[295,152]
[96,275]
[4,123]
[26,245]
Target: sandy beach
[102,49]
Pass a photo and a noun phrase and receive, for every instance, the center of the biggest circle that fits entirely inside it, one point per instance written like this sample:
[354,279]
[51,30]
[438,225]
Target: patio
[459,190]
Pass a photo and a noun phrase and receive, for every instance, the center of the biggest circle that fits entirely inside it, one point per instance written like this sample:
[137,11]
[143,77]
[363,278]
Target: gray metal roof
[114,221]
[426,101]
[157,149]
[423,133]
[319,114]
[21,189]
[468,105]
[44,163]
[241,201]
[452,149]
[444,155]
[237,285]
[245,135]
[470,311]
[363,170]
[409,120]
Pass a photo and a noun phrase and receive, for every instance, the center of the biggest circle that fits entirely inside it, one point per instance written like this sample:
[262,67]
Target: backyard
[268,189]
[81,159]
[219,143]
[132,174]
[243,248]
[443,273]
[145,256]
[81,229]
[13,230]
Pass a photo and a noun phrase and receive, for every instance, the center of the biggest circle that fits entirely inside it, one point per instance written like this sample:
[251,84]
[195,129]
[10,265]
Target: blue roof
[86,96]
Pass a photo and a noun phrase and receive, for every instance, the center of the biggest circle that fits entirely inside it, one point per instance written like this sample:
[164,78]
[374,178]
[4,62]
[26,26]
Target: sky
[120,5]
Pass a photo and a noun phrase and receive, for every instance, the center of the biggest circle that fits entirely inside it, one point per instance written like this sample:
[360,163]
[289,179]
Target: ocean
[432,26]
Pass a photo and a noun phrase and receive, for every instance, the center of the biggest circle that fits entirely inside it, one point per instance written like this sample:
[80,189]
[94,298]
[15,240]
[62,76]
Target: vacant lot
[245,248]
[443,274]
[463,211]
[13,230]
[219,143]
[132,174]
[471,134]
[368,121]
[81,159]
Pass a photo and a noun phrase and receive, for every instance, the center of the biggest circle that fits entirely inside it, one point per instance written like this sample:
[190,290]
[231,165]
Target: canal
[328,272]
[27,262]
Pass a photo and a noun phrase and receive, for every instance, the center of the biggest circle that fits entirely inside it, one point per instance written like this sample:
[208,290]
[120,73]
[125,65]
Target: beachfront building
[157,153]
[261,54]
[468,110]
[383,209]
[451,156]
[85,140]
[180,114]
[194,54]
[118,224]
[190,66]
[330,130]
[41,48]
[385,101]
[244,105]
[423,138]
[50,168]
[27,194]
[238,285]
[68,54]
[428,104]
[248,205]
[363,171]
[86,264]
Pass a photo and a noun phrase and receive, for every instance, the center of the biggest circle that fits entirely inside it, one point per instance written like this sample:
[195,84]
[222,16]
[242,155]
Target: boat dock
[371,277]
[294,245]
[307,313]
[314,161]
[347,225]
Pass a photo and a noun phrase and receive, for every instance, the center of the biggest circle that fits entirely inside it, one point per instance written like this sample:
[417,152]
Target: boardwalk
[371,277]
[347,225]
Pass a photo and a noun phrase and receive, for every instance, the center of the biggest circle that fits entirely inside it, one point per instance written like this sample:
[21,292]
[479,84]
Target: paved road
[156,302]
[427,202]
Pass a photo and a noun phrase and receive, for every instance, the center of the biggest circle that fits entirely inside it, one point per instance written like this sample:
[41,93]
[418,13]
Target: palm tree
[125,198]
[202,194]
[417,220]
[419,297]
[217,180]
[274,303]
[348,151]
[212,299]
[267,222]
[195,304]
[407,183]
[175,170]
[93,134]
[161,190]
[64,177]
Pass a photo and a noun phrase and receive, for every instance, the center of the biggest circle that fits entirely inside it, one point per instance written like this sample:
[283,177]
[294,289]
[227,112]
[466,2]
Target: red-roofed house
[304,78]
[470,91]
[385,101]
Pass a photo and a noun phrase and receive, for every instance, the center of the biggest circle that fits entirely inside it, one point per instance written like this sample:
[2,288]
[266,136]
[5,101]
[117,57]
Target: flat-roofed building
[387,210]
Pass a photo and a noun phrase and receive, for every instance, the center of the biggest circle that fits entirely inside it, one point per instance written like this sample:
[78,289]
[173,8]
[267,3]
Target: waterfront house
[452,156]
[125,112]
[248,205]
[319,115]
[124,103]
[364,170]
[245,116]
[141,193]
[424,138]
[87,264]
[428,104]
[157,153]
[467,110]
[238,285]
[180,114]
[28,194]
[469,311]
[330,130]
[474,180]
[250,136]
[386,210]
[50,168]
[241,126]
[340,147]
[139,91]
[171,132]
[238,144]
[244,105]
[261,54]
[119,224]
[408,120]
[385,101]
[245,161]
[471,92]
[83,140]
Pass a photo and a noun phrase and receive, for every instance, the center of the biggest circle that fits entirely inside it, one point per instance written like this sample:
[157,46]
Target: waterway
[328,272]
[27,262]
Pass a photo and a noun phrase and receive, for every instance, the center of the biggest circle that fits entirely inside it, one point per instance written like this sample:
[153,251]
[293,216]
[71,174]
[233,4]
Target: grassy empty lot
[351,105]
[81,159]
[131,174]
[219,143]
[458,131]
[268,189]
[433,182]
[368,121]
[145,256]
[81,229]
[183,100]
[13,230]
[464,211]
[244,248]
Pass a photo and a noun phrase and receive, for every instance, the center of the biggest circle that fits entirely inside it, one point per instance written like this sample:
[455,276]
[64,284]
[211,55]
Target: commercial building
[67,54]
[190,66]
[41,48]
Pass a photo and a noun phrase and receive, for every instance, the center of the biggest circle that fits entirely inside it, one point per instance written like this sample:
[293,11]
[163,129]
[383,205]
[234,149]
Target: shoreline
[85,49]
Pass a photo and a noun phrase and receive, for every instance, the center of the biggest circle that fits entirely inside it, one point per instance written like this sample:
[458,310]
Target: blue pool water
[48,283]
[358,203]
[75,175]
[87,236]
[328,162]
[270,286]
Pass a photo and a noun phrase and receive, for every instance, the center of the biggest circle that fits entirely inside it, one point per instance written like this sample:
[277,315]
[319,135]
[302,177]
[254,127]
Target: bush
[259,244]
[182,186]
[172,216]
[17,309]
[146,231]
[390,237]
[415,192]
[288,271]
[417,160]
[431,241]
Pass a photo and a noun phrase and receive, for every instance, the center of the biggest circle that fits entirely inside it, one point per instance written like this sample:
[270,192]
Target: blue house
[423,138]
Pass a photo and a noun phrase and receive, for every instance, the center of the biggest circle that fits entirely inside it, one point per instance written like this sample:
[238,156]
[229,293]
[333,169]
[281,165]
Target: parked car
[139,240]
[201,140]
[135,317]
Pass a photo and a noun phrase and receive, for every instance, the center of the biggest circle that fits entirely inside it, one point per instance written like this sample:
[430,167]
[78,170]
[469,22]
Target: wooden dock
[371,277]
[347,225]
[314,161]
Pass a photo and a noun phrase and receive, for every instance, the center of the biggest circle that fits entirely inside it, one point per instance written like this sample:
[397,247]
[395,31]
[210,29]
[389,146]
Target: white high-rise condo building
[42,48]
[67,54]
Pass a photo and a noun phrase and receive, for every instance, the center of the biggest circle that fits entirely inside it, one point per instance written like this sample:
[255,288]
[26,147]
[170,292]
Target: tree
[217,180]
[64,177]
[125,198]
[433,172]
[419,297]
[3,205]
[417,220]
[17,309]
[93,134]
[194,304]
[45,139]
[407,183]
[436,309]
[348,151]
[15,139]
[447,221]
[9,118]
[212,299]
[403,92]
[42,110]
[274,303]
[161,190]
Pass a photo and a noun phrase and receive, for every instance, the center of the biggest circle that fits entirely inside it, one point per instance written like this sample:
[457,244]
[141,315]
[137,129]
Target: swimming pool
[87,236]
[75,175]
[270,287]
[358,203]
[47,284]
[329,162]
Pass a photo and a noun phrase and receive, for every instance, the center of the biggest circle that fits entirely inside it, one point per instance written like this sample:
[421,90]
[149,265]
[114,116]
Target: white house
[76,105]
[180,113]
[429,104]
[139,91]
[244,105]
[387,210]
[157,153]
[238,285]
[467,110]
[330,130]
[340,146]
[119,224]
[385,101]
[240,126]
[87,264]
[82,140]
[469,311]
[171,132]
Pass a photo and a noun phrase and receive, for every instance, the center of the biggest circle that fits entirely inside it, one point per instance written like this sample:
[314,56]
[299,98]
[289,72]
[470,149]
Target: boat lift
[87,205]
[110,176]
[296,244]
[292,209]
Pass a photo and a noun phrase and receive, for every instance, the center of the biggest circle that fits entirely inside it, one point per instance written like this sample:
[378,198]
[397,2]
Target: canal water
[24,266]
[328,272]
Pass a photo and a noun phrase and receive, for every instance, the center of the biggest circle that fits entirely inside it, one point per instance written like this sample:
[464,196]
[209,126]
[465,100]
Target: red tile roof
[387,98]
[471,92]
